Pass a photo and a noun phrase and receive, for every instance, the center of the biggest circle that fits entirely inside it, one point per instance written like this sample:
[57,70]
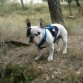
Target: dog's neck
[38,35]
[41,30]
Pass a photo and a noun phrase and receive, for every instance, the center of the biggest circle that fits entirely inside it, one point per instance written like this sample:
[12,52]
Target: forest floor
[63,69]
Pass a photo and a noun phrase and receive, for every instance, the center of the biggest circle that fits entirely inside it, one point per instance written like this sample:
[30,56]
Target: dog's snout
[31,39]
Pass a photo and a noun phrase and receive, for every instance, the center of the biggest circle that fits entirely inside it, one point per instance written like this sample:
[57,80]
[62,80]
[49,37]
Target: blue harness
[54,34]
[54,31]
[42,41]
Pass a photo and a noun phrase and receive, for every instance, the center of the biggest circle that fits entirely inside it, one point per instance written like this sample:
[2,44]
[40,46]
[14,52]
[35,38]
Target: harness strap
[42,41]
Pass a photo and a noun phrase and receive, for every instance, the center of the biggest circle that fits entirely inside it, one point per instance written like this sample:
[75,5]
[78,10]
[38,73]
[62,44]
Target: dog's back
[61,29]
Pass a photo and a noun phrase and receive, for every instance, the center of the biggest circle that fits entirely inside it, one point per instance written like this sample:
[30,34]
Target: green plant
[15,73]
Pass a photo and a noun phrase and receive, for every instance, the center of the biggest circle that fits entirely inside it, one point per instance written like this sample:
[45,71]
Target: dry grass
[13,25]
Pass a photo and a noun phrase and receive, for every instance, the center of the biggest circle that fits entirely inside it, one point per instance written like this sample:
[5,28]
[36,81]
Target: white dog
[47,35]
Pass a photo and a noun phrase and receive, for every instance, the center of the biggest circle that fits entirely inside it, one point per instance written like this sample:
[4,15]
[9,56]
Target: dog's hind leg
[51,52]
[58,46]
[65,44]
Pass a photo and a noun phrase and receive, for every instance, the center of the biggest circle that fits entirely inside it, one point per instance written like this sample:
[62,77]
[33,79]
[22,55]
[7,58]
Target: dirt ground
[61,70]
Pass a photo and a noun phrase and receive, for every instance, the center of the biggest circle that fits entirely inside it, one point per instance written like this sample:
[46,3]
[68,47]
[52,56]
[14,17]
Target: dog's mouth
[33,39]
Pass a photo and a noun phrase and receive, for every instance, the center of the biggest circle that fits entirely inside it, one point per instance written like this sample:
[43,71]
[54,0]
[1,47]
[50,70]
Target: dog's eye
[38,33]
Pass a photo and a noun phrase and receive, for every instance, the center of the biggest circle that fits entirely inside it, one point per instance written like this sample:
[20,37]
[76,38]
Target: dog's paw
[50,58]
[37,58]
[57,50]
[64,52]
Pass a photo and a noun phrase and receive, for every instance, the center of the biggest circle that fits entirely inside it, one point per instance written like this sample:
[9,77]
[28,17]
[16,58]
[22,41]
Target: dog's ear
[28,23]
[41,22]
[28,32]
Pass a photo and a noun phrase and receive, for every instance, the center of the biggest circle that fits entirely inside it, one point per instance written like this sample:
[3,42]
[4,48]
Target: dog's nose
[31,39]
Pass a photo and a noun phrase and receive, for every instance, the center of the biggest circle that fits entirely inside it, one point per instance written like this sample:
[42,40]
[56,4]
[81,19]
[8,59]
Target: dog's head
[34,33]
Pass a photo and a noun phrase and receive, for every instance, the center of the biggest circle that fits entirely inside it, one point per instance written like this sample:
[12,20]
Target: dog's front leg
[51,52]
[39,55]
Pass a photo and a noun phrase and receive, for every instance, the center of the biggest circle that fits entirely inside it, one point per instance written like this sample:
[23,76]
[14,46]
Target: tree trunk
[55,11]
[69,3]
[78,3]
[22,4]
[80,9]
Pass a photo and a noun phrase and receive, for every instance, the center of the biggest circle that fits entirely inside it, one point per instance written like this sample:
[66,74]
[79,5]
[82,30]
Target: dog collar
[42,41]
